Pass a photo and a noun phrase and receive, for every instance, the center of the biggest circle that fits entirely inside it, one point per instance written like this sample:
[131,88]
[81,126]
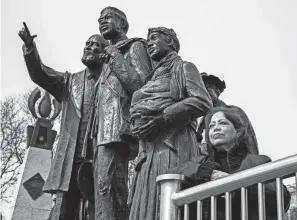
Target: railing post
[169,184]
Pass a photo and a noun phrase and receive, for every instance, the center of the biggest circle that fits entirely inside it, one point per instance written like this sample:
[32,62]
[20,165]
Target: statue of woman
[162,112]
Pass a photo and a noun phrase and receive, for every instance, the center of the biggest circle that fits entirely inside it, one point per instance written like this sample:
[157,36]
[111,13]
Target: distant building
[292,213]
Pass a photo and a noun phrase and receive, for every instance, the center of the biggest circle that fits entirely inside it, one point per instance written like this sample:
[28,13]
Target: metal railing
[171,198]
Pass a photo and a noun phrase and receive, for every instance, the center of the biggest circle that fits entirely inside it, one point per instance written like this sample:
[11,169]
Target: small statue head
[214,85]
[95,46]
[161,41]
[112,22]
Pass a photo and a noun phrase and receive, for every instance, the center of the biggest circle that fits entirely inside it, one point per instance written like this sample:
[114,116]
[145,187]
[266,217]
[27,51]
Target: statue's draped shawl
[173,65]
[175,89]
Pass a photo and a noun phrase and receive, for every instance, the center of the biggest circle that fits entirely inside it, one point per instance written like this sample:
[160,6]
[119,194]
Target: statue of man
[75,92]
[215,86]
[128,68]
[162,116]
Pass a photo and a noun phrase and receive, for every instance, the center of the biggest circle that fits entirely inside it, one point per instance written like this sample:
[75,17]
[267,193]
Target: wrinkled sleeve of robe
[197,103]
[49,79]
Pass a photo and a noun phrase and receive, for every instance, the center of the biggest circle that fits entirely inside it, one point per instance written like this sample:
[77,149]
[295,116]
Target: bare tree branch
[15,116]
[12,135]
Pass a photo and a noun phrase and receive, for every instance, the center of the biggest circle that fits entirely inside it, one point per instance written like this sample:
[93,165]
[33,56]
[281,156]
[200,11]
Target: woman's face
[221,131]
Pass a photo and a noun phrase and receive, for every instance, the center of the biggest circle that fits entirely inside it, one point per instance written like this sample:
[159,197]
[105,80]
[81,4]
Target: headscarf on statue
[174,65]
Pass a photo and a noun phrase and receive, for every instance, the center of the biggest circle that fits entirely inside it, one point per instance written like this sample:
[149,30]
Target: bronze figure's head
[112,23]
[161,41]
[92,56]
[214,85]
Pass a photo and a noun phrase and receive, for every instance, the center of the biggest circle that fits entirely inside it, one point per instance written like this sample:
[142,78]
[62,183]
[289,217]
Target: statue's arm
[52,81]
[198,102]
[133,72]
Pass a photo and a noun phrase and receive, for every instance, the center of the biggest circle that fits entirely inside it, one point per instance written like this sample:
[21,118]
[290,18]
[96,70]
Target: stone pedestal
[31,203]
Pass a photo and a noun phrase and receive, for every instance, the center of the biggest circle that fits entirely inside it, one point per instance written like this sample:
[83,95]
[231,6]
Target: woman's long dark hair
[236,118]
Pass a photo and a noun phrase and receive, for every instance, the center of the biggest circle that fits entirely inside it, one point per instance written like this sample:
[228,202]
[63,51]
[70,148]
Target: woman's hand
[216,174]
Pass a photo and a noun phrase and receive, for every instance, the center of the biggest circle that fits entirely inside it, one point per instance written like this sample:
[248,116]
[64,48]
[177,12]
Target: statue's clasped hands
[151,128]
[26,36]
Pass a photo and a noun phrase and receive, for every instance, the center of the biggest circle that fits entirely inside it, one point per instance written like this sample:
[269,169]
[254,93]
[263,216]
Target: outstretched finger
[26,28]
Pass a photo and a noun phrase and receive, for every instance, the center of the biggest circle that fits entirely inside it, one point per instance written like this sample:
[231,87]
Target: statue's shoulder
[75,78]
[190,68]
[189,65]
[137,44]
[138,41]
[77,74]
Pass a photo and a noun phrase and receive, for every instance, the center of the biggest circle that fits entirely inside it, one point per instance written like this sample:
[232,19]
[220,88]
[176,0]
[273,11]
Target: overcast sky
[250,44]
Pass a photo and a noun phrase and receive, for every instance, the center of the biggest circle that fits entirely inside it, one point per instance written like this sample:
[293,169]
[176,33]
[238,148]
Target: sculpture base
[31,203]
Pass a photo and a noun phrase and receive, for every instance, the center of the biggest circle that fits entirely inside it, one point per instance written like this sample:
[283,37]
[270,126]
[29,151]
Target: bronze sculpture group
[135,97]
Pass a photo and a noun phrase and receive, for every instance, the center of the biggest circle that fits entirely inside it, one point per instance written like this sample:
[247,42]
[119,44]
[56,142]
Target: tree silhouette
[13,144]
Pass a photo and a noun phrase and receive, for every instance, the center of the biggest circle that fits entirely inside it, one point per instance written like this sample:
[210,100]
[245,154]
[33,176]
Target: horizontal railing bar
[262,173]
